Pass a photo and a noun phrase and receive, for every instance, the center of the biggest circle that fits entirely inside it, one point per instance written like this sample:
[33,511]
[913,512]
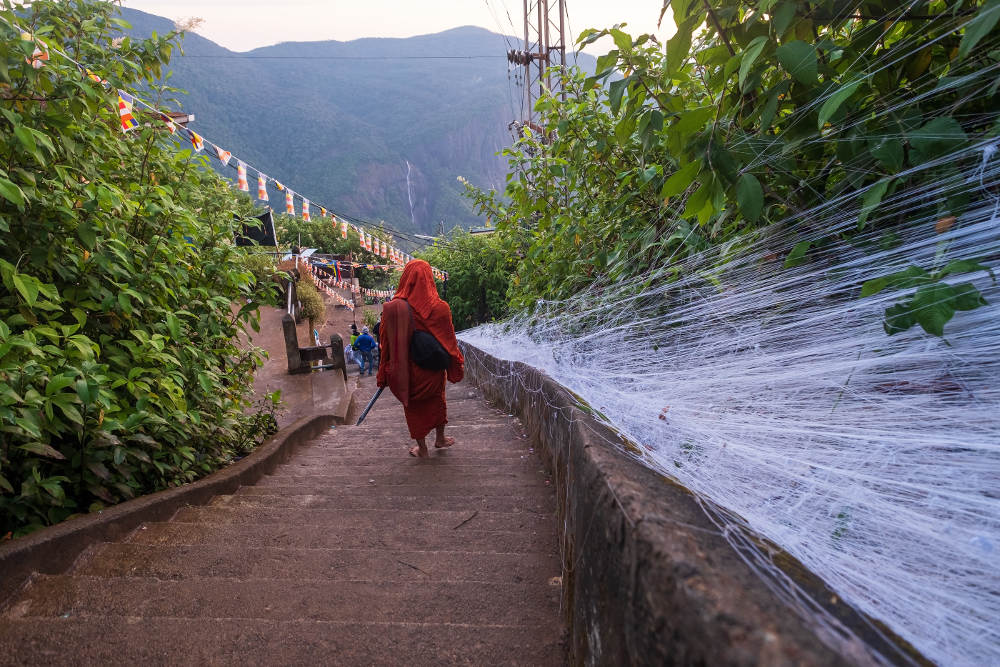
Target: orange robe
[422,392]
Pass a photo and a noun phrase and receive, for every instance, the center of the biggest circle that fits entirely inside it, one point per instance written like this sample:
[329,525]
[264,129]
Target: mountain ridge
[377,128]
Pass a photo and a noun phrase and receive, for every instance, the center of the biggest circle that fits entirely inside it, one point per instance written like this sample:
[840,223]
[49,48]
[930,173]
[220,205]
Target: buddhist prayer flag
[261,187]
[169,122]
[305,210]
[343,229]
[125,102]
[289,202]
[93,77]
[322,212]
[241,177]
[224,156]
[279,186]
[39,55]
[197,141]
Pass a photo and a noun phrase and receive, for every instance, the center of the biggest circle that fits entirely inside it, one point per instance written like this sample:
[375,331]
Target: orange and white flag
[289,202]
[241,177]
[224,156]
[305,210]
[343,229]
[261,187]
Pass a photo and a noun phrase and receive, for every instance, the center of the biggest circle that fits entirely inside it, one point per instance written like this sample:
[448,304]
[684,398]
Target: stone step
[167,641]
[399,457]
[428,477]
[239,536]
[475,603]
[397,449]
[423,490]
[375,520]
[536,501]
[383,565]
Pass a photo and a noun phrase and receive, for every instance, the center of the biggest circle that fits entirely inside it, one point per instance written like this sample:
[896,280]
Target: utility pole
[544,49]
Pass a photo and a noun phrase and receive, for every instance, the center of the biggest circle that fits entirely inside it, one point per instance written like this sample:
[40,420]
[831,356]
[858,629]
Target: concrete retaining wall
[647,577]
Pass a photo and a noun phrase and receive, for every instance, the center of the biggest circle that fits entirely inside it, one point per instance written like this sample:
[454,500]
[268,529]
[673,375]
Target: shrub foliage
[124,296]
[753,113]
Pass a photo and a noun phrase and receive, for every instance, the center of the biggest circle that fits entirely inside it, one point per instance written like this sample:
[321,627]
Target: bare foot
[448,442]
[419,451]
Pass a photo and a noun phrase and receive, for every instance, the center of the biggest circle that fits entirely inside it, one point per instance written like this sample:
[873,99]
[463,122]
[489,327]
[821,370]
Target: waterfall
[409,191]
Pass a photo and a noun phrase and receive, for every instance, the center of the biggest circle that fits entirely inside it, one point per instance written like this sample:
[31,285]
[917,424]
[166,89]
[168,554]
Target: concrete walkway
[351,553]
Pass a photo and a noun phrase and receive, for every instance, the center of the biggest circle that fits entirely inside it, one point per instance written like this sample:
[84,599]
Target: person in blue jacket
[365,344]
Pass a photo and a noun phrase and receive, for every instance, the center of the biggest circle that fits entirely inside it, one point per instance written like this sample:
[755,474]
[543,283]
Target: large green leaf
[11,192]
[835,99]
[938,136]
[979,26]
[681,179]
[750,56]
[750,197]
[799,60]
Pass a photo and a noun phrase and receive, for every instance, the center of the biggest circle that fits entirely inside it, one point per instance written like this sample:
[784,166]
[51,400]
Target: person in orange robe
[421,391]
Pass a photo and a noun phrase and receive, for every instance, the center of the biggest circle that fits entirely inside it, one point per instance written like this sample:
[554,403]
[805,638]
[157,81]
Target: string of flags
[128,105]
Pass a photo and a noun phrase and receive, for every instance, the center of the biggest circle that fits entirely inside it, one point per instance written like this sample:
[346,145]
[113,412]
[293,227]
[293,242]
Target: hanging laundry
[261,188]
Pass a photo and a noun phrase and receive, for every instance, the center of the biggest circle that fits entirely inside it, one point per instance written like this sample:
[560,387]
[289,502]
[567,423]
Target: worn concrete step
[238,536]
[441,478]
[477,603]
[471,422]
[168,641]
[397,450]
[362,455]
[536,501]
[376,520]
[215,561]
[453,489]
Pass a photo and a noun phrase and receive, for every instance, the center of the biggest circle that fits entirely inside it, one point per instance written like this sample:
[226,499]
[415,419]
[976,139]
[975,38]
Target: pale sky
[241,25]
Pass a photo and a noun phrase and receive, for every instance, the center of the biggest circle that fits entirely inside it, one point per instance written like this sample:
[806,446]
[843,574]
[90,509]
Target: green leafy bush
[755,112]
[480,269]
[313,306]
[120,367]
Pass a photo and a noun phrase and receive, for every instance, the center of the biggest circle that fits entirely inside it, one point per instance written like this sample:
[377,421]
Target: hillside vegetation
[754,114]
[370,128]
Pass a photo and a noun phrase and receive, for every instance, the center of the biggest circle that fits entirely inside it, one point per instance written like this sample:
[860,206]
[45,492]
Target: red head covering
[416,285]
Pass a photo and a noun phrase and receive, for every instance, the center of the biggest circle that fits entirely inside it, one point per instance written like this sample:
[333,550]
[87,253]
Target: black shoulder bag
[425,350]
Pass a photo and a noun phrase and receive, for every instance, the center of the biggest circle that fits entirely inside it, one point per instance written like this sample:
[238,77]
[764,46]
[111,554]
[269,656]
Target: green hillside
[348,132]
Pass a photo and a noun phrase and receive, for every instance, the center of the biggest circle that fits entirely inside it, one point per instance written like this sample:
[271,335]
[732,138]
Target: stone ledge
[53,550]
[647,577]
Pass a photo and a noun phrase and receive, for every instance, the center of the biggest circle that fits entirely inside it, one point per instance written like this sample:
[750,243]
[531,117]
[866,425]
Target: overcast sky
[241,25]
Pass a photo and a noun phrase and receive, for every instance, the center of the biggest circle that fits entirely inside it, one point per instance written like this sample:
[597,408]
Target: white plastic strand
[776,394]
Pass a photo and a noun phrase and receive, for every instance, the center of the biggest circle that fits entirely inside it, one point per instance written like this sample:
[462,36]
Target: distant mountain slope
[380,137]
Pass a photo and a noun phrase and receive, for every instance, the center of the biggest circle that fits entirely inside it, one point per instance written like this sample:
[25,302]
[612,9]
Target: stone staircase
[351,553]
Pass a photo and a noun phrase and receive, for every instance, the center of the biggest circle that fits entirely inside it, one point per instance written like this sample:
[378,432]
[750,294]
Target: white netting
[775,393]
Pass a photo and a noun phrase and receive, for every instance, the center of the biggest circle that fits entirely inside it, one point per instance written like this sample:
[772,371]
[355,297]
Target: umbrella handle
[369,406]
